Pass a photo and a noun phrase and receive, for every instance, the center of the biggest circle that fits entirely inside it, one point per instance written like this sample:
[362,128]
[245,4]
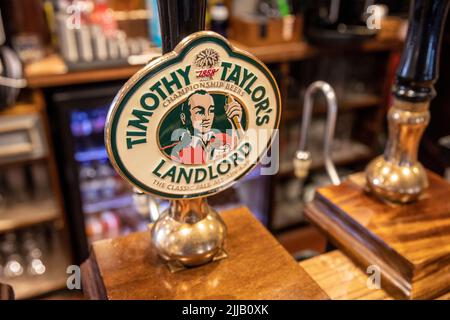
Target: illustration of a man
[198,142]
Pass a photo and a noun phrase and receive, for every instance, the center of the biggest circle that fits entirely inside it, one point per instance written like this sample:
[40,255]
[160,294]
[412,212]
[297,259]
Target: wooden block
[341,279]
[257,267]
[254,32]
[410,243]
[6,292]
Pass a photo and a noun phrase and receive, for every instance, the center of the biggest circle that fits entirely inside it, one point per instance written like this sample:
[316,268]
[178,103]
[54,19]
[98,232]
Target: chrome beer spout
[302,159]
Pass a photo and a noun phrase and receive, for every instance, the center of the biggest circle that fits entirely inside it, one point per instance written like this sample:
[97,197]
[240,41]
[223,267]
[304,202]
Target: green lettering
[260,121]
[185,74]
[131,142]
[141,119]
[156,87]
[249,85]
[247,76]
[156,170]
[248,148]
[168,84]
[258,93]
[145,105]
[170,173]
[262,105]
[226,169]
[211,174]
[235,75]
[183,173]
[235,157]
[201,178]
[225,66]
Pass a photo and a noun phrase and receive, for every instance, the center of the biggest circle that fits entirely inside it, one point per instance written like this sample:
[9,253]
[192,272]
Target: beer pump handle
[419,64]
[178,19]
[397,175]
[189,233]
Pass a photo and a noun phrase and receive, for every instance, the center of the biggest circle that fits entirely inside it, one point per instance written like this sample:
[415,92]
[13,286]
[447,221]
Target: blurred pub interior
[68,59]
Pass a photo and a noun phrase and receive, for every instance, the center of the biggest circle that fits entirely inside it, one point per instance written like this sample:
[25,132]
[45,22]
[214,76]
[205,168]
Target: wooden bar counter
[410,243]
[257,267]
[341,279]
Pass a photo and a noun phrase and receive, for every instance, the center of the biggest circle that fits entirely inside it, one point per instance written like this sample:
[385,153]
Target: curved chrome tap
[302,158]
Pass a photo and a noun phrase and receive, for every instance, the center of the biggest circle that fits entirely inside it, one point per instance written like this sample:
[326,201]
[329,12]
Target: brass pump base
[188,234]
[397,176]
[395,183]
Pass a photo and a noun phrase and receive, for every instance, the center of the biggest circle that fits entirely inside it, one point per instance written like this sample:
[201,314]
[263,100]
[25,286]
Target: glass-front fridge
[99,203]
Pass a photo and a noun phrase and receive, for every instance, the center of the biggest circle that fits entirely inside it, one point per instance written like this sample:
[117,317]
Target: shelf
[28,287]
[294,51]
[54,278]
[358,101]
[52,71]
[21,162]
[28,214]
[21,108]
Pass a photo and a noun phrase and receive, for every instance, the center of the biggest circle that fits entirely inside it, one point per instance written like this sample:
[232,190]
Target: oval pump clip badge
[193,121]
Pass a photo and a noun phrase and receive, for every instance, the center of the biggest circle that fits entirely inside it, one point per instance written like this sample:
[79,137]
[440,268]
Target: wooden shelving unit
[295,51]
[47,210]
[55,277]
[28,214]
[52,71]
